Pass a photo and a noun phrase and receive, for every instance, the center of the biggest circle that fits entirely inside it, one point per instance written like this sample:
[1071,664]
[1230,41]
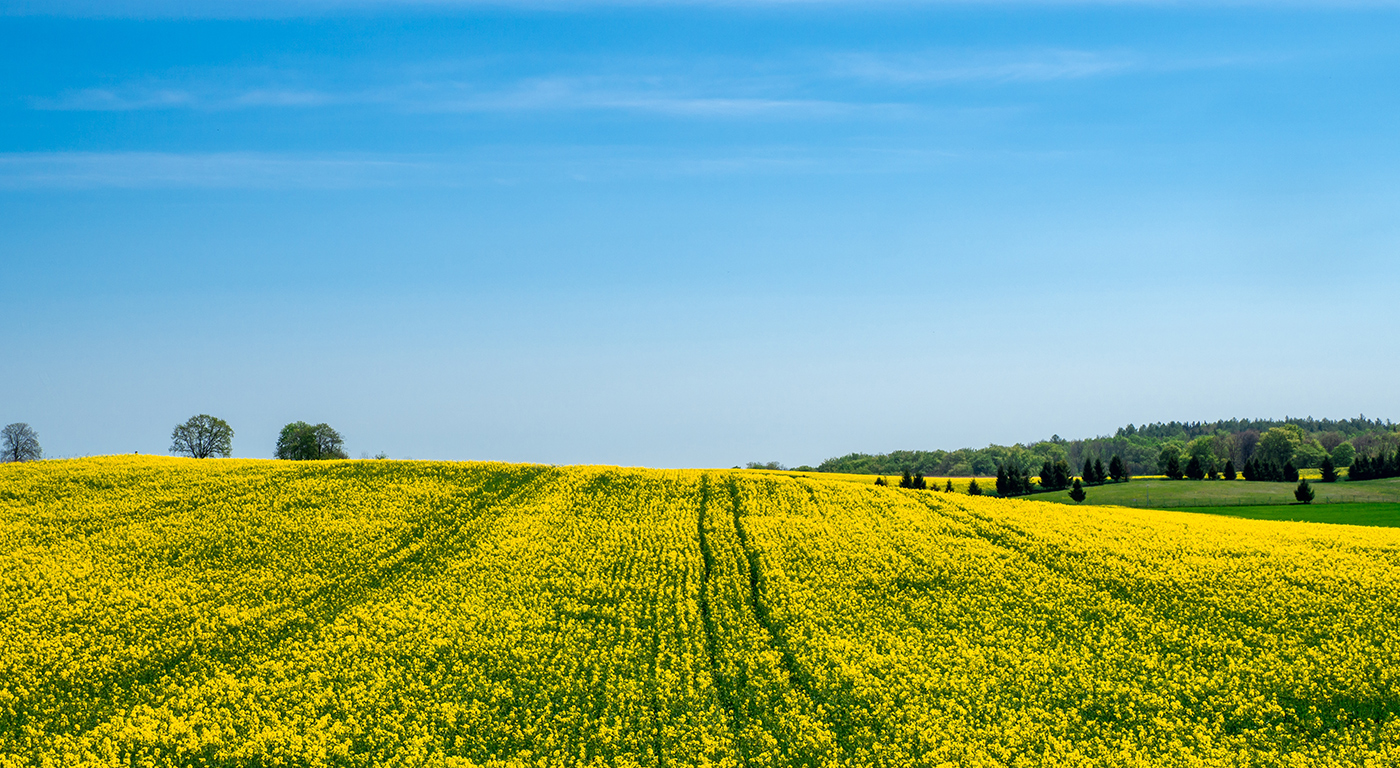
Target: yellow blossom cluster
[176,612]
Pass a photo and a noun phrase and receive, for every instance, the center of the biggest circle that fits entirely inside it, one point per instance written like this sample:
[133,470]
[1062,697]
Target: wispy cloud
[542,94]
[138,97]
[500,165]
[943,67]
[621,94]
[91,170]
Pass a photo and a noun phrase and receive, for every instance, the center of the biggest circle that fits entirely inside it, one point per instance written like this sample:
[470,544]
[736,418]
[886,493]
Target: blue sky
[697,234]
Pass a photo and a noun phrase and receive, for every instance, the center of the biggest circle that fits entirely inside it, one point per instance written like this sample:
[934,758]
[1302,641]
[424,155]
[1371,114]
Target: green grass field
[1175,494]
[1384,515]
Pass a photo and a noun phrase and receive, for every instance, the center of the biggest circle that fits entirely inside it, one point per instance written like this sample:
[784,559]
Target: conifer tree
[949,487]
[1099,476]
[1047,475]
[919,483]
[1088,473]
[1304,492]
[907,481]
[973,489]
[1329,470]
[880,481]
[1230,469]
[1173,468]
[1003,486]
[1116,470]
[1077,492]
[1290,472]
[1194,469]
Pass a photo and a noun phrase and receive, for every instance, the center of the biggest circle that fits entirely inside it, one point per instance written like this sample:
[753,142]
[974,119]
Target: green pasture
[1160,493]
[1385,515]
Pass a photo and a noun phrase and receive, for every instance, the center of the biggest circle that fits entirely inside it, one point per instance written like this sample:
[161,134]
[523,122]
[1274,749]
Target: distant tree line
[1375,467]
[1277,456]
[1013,479]
[916,481]
[1140,448]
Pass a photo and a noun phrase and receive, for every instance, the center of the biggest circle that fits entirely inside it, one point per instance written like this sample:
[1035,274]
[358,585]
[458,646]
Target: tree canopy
[300,441]
[202,436]
[1139,448]
[20,443]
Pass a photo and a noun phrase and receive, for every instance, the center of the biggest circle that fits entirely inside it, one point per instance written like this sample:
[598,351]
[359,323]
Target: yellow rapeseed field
[174,612]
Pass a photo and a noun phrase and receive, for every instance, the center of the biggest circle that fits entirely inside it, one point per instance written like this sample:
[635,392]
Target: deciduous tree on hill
[300,441]
[202,436]
[20,443]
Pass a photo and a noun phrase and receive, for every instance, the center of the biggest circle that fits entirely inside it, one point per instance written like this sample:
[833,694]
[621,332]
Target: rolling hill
[234,612]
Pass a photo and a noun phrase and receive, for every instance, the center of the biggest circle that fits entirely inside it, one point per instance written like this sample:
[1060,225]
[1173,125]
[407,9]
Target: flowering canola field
[174,612]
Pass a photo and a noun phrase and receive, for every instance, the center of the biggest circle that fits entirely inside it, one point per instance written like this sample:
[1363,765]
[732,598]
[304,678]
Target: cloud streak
[546,94]
[498,166]
[943,68]
[162,170]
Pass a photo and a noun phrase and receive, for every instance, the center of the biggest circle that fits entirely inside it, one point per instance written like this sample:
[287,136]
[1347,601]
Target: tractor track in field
[724,688]
[797,677]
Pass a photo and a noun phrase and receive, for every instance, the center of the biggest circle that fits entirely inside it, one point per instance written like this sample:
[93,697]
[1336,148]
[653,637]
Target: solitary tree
[907,481]
[1304,492]
[949,487]
[1077,492]
[1329,470]
[202,436]
[303,442]
[880,481]
[973,489]
[21,443]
